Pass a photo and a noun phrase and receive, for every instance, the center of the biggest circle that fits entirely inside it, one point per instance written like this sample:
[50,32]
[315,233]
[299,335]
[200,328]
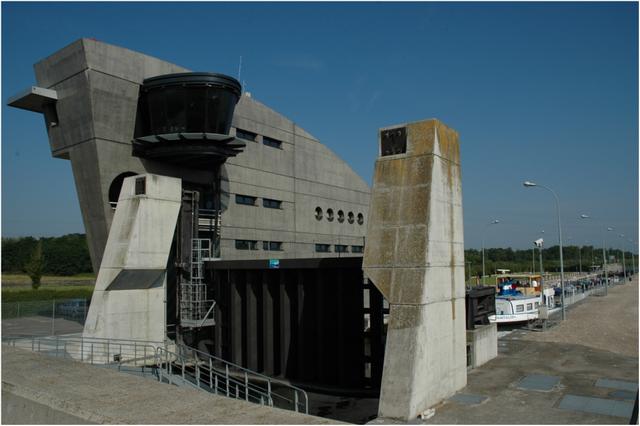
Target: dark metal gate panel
[304,321]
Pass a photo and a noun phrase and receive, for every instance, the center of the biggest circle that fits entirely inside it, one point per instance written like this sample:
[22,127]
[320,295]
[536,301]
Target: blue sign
[274,263]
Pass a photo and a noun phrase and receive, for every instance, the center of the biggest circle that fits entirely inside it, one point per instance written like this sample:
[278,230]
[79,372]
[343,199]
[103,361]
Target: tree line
[69,255]
[66,255]
[522,260]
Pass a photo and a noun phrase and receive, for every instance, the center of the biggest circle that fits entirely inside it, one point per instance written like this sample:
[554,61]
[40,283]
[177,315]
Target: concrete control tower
[174,168]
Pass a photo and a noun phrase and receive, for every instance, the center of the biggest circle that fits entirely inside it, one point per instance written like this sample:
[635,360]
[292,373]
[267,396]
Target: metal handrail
[95,351]
[197,369]
[268,392]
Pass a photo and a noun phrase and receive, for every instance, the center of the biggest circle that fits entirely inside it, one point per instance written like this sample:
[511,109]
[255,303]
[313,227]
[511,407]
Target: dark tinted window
[274,143]
[245,134]
[341,248]
[272,245]
[357,249]
[271,204]
[246,200]
[246,245]
[323,248]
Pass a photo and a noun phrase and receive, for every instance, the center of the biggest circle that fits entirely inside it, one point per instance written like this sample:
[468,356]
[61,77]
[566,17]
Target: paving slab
[538,382]
[607,407]
[617,384]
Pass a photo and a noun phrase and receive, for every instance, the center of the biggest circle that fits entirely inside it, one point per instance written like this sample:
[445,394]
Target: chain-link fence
[44,318]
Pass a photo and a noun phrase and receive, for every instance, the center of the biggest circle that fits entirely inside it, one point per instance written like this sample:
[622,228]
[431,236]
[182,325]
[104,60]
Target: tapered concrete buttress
[415,257]
[129,297]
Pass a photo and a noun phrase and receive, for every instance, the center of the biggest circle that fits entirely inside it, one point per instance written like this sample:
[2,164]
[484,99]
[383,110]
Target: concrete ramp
[41,390]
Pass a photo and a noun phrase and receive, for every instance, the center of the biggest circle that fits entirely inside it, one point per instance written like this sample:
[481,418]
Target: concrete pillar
[415,257]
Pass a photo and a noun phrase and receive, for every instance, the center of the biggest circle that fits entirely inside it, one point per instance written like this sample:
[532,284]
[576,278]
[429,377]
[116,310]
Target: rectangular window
[323,248]
[357,249]
[519,308]
[529,306]
[141,186]
[247,200]
[245,134]
[272,245]
[274,143]
[341,248]
[393,141]
[537,304]
[271,204]
[246,245]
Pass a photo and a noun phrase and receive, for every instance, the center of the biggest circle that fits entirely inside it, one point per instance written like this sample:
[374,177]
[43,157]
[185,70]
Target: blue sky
[537,91]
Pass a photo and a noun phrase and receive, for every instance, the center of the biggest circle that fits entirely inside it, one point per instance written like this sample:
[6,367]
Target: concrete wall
[98,85]
[484,344]
[43,390]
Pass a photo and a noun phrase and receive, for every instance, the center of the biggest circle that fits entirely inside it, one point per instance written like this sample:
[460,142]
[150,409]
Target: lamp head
[609,229]
[585,216]
[529,184]
[495,221]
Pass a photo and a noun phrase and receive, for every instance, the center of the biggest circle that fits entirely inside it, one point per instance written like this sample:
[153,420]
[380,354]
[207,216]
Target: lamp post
[528,184]
[604,254]
[624,266]
[493,222]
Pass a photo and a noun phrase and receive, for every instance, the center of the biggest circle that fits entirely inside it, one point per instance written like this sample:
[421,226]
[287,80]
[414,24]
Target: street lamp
[529,184]
[604,255]
[494,222]
[624,266]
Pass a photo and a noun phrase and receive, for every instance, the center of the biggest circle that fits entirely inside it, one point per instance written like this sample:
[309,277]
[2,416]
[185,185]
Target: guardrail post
[246,386]
[226,377]
[211,377]
[295,398]
[53,318]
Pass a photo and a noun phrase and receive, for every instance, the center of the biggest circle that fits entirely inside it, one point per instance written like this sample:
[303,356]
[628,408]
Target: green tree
[35,266]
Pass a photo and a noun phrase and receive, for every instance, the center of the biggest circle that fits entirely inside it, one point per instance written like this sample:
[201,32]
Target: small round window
[340,216]
[330,215]
[318,213]
[350,217]
[360,219]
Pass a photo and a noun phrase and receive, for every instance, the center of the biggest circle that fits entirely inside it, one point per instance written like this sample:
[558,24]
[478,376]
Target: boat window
[519,308]
[537,304]
[529,306]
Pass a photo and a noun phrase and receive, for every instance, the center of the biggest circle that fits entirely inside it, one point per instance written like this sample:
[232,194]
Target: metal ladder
[196,310]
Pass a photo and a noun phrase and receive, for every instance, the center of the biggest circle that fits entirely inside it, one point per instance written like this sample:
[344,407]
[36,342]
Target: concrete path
[37,389]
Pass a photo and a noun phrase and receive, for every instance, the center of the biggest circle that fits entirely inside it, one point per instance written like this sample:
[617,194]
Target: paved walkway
[582,371]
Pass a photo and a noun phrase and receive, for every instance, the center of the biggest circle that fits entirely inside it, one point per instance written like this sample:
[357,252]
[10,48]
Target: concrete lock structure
[415,257]
[175,168]
[211,218]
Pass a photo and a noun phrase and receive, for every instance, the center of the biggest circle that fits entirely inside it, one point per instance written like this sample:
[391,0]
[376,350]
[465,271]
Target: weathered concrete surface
[41,389]
[484,344]
[415,257]
[140,238]
[98,85]
[589,346]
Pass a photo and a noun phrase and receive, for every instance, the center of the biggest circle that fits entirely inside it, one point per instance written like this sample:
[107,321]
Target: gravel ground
[609,323]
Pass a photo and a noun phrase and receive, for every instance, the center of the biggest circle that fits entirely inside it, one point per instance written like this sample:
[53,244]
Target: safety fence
[44,317]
